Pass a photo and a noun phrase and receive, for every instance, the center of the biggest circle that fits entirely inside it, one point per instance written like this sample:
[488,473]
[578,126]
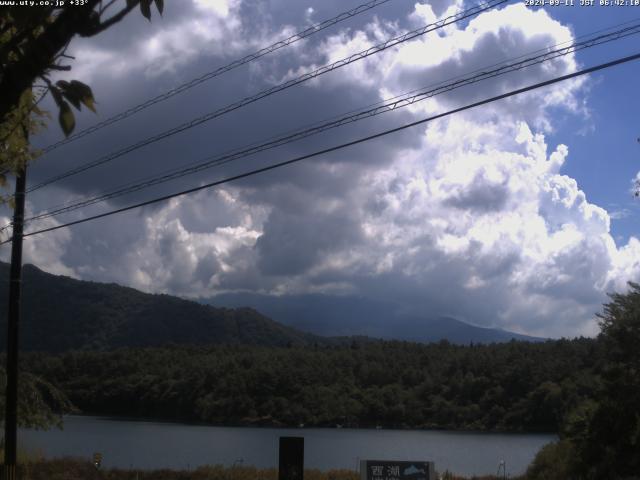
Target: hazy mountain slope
[345,316]
[61,313]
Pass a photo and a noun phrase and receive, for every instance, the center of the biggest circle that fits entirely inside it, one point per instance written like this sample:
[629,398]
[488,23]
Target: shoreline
[265,425]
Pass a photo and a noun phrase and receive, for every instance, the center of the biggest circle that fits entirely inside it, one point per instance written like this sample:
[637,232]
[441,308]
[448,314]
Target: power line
[221,70]
[390,105]
[283,86]
[6,171]
[376,108]
[341,146]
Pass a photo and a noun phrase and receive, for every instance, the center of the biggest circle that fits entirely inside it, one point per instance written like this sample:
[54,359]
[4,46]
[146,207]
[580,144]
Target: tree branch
[40,53]
[107,6]
[22,32]
[102,26]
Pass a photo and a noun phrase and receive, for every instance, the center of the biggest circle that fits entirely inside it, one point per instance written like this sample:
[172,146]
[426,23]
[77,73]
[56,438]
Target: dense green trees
[608,439]
[512,386]
[40,403]
[600,437]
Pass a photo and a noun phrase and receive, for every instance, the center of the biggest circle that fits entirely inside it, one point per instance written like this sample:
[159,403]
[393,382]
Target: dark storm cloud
[293,243]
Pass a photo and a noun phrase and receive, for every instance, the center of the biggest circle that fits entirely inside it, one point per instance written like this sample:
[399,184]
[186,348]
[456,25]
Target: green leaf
[57,95]
[160,5]
[66,118]
[72,96]
[85,95]
[71,92]
[89,102]
[145,8]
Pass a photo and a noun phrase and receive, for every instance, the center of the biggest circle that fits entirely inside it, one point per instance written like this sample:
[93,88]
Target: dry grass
[35,467]
[77,469]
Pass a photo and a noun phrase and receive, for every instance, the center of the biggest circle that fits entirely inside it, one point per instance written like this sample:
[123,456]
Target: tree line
[515,386]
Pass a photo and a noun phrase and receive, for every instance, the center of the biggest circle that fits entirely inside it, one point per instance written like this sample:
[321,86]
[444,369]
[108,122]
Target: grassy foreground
[80,469]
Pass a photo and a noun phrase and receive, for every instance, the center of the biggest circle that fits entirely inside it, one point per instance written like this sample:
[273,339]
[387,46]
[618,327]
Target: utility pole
[15,287]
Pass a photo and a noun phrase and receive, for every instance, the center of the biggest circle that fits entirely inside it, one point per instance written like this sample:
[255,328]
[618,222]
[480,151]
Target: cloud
[282,252]
[470,216]
[44,251]
[182,248]
[619,214]
[491,38]
[540,246]
[201,27]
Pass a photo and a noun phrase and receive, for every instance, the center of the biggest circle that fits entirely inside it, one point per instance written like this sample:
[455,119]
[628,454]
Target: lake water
[149,445]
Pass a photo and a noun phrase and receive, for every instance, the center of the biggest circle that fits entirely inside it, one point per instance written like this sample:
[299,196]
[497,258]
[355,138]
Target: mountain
[60,313]
[346,316]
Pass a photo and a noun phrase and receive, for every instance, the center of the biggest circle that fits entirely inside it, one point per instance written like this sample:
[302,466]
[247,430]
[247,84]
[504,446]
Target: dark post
[11,407]
[291,461]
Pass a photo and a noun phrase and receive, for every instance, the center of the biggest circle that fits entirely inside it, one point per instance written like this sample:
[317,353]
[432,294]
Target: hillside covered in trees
[60,313]
[513,386]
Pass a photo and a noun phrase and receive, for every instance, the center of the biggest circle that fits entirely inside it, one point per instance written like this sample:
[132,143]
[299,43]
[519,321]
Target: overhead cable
[277,88]
[390,105]
[219,71]
[602,66]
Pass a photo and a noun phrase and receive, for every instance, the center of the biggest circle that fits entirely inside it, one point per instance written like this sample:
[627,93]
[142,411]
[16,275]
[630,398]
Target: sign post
[291,458]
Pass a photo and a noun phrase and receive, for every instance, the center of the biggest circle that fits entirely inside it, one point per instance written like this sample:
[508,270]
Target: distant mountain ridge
[346,316]
[60,313]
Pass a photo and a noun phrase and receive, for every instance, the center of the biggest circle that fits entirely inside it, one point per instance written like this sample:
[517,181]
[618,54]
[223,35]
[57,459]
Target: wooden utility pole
[15,287]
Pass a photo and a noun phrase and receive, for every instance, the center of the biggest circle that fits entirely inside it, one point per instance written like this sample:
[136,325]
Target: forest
[514,386]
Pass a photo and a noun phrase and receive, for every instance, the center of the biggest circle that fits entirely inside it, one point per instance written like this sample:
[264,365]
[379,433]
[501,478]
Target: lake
[149,445]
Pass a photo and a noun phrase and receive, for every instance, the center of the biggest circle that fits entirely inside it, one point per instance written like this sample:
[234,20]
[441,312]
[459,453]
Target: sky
[518,214]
